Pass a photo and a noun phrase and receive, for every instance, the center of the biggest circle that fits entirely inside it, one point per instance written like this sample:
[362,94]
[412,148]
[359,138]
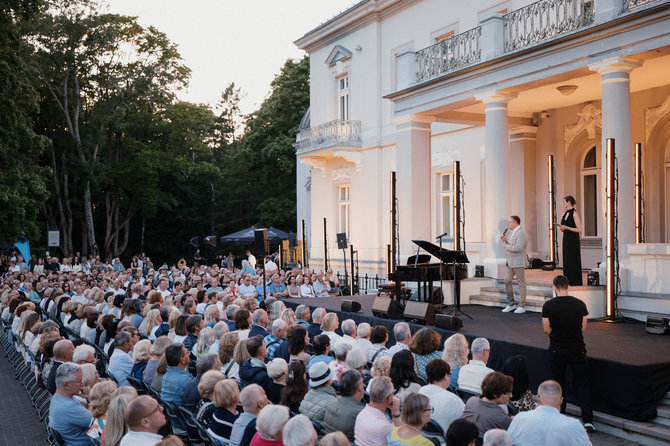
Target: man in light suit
[514,242]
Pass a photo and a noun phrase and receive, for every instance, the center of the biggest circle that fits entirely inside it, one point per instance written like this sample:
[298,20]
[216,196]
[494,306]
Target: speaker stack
[387,308]
[350,306]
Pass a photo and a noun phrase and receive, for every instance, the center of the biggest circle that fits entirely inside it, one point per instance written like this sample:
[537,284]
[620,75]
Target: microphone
[442,235]
[505,231]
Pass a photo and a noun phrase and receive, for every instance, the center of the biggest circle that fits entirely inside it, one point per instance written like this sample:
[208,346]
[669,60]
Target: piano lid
[445,255]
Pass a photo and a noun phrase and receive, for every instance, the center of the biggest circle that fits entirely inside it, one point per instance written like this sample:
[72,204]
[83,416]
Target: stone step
[663,412]
[494,301]
[644,432]
[529,292]
[665,401]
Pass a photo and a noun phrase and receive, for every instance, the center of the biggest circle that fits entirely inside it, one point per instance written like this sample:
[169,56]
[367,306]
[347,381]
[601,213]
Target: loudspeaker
[387,308]
[195,242]
[657,325]
[261,242]
[422,312]
[341,240]
[292,240]
[479,270]
[447,322]
[350,306]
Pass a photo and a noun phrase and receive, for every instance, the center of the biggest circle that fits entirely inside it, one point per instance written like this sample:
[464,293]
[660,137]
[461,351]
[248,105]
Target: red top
[260,441]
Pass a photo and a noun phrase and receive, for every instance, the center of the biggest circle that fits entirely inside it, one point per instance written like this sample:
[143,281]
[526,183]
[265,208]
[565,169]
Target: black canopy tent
[246,236]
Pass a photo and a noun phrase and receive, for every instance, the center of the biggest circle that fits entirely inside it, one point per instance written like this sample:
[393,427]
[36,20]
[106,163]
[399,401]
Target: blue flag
[24,248]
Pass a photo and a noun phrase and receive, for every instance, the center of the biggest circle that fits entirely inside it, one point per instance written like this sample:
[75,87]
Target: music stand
[459,258]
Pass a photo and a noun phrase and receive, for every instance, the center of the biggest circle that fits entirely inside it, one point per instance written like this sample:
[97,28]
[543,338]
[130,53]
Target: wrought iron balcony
[545,20]
[449,55]
[337,131]
[633,4]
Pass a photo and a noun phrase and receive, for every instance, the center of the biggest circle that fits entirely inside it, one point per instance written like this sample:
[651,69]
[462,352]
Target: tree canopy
[97,145]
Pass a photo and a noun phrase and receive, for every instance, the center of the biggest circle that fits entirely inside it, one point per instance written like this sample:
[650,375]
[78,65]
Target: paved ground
[19,424]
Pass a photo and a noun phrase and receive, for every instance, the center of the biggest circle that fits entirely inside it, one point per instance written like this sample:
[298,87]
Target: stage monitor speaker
[387,308]
[341,240]
[350,306]
[593,278]
[422,312]
[292,240]
[447,322]
[657,325]
[479,270]
[261,242]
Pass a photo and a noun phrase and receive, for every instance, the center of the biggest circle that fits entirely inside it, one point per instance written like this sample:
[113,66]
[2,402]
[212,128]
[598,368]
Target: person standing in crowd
[564,320]
[514,242]
[571,227]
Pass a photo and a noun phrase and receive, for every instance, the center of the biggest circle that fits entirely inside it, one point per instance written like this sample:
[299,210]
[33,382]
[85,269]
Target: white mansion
[409,86]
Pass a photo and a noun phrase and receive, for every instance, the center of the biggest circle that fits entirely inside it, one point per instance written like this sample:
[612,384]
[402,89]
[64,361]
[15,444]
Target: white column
[497,174]
[413,181]
[615,81]
[523,183]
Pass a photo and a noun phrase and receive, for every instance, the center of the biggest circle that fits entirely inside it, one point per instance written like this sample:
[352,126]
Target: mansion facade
[410,86]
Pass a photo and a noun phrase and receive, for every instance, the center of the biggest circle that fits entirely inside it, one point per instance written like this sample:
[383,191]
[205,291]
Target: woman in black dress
[571,227]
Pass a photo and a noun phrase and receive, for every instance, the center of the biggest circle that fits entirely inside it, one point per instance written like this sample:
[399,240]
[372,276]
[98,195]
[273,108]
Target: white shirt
[247,290]
[347,340]
[447,406]
[270,266]
[133,438]
[471,375]
[546,425]
[306,291]
[364,345]
[334,338]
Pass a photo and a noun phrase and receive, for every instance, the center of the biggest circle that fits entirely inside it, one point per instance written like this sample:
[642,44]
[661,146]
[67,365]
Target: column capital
[495,96]
[418,121]
[616,65]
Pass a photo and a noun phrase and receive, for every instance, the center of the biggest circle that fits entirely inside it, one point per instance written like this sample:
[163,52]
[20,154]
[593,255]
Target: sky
[223,41]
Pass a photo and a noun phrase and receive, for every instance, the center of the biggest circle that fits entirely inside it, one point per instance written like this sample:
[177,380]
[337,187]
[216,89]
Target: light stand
[456,222]
[639,195]
[551,175]
[352,252]
[612,263]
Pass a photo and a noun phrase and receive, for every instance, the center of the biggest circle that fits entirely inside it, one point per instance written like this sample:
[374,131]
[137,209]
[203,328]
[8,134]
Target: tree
[96,68]
[22,180]
[261,168]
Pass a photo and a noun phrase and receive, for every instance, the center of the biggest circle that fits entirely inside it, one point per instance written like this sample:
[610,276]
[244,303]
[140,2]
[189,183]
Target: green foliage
[22,180]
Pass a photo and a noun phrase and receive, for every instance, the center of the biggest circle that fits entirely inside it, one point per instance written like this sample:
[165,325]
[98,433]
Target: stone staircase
[494,296]
[654,432]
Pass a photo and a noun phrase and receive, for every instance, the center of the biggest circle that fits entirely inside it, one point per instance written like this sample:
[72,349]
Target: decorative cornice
[316,162]
[654,114]
[445,158]
[338,53]
[590,118]
[352,156]
[341,173]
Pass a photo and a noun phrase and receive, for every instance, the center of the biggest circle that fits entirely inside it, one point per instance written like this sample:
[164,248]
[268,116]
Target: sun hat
[319,374]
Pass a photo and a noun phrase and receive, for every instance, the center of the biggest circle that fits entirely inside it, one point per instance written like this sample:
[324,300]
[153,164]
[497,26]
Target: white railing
[449,55]
[632,4]
[545,20]
[337,131]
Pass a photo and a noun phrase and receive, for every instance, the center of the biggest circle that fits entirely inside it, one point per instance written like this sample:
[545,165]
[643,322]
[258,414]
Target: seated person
[372,427]
[416,411]
[341,414]
[471,375]
[321,394]
[485,410]
[176,378]
[253,399]
[447,406]
[67,416]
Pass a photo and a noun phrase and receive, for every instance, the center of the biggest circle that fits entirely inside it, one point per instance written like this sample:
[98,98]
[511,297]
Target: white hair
[497,437]
[479,345]
[67,372]
[348,327]
[276,367]
[278,324]
[205,340]
[220,329]
[271,420]
[299,431]
[380,389]
[364,330]
[356,359]
[81,353]
[341,350]
[401,331]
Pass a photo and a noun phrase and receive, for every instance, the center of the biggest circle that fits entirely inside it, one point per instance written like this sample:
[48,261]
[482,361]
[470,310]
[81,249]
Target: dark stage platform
[630,369]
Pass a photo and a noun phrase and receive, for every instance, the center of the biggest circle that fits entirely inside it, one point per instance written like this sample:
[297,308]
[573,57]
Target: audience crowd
[138,355]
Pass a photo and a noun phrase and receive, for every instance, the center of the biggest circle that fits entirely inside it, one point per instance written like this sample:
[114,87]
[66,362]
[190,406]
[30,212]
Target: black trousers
[559,360]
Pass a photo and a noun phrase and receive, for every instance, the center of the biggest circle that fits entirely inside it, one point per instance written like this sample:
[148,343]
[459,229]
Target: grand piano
[420,269]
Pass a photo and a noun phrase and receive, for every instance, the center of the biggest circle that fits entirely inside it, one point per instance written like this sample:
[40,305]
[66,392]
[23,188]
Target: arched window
[590,175]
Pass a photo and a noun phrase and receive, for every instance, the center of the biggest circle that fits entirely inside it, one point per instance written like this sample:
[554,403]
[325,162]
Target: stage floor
[630,369]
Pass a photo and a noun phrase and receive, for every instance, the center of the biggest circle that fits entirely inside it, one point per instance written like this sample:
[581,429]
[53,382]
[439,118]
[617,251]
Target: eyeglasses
[430,409]
[158,407]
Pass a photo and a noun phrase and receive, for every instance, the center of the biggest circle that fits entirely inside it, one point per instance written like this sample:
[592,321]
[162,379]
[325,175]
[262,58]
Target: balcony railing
[632,4]
[449,55]
[337,131]
[545,20]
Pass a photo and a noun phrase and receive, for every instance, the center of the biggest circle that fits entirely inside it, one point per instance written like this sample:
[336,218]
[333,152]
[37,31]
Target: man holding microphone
[514,242]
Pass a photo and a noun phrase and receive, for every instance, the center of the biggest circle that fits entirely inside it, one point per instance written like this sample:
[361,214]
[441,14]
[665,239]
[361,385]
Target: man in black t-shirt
[564,321]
